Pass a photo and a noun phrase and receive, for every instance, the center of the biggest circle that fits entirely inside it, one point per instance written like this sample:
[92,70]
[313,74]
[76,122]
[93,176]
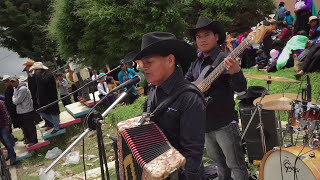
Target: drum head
[286,160]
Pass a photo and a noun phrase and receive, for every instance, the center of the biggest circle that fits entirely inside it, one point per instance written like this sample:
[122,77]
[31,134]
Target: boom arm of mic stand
[87,131]
[104,114]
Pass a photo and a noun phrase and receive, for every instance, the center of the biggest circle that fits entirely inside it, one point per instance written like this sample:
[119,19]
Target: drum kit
[291,161]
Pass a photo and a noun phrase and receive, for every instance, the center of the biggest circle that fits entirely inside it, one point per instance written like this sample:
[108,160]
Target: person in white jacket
[103,90]
[26,114]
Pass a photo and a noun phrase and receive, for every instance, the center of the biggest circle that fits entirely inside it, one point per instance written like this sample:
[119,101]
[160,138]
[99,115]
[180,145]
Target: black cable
[83,160]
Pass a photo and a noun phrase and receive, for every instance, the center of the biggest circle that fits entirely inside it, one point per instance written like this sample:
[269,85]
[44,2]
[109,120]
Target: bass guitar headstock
[258,34]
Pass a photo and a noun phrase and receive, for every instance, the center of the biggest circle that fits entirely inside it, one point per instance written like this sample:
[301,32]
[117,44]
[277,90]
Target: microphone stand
[94,122]
[54,102]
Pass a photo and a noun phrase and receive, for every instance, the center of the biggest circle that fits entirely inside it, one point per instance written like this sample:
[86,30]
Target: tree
[22,29]
[103,31]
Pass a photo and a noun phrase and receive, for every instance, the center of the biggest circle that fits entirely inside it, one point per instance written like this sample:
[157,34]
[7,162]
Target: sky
[11,63]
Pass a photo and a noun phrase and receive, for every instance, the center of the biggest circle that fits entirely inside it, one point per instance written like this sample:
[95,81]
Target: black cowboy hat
[252,92]
[129,57]
[206,23]
[167,43]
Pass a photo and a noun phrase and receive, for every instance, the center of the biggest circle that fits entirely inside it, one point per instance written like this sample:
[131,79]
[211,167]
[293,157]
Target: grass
[284,87]
[29,168]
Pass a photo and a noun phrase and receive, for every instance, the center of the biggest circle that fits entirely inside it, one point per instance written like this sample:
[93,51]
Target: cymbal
[279,102]
[270,78]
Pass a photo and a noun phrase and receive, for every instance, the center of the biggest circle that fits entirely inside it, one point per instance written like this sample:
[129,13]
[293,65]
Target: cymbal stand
[258,108]
[280,128]
[268,83]
[261,127]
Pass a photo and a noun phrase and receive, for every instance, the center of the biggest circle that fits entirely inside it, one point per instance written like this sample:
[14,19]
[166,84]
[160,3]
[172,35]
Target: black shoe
[44,126]
[13,161]
[54,131]
[48,128]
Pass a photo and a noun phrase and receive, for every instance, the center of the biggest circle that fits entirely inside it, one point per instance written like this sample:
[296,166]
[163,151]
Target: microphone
[138,78]
[308,89]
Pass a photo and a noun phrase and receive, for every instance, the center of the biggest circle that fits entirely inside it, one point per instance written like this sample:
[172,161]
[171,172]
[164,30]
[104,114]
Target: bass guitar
[204,82]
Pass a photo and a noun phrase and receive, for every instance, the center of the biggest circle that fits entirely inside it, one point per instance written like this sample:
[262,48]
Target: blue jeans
[223,147]
[8,141]
[53,118]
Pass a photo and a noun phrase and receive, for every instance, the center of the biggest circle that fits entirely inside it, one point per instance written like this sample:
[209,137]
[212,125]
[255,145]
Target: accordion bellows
[144,152]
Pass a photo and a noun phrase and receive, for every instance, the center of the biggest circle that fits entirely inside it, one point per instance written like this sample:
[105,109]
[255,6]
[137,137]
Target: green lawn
[284,87]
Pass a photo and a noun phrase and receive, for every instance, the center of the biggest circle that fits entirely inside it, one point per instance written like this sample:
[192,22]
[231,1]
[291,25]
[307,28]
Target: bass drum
[280,164]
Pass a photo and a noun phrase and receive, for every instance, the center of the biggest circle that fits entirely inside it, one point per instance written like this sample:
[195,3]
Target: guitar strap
[218,59]
[216,62]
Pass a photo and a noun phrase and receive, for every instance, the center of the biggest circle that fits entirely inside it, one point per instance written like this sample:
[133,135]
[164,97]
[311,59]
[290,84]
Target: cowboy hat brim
[183,52]
[215,26]
[35,68]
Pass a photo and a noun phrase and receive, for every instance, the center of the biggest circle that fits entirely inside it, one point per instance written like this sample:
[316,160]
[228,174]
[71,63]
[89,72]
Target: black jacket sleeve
[238,82]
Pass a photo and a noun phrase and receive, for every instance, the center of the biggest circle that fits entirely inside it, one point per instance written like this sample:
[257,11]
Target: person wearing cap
[5,132]
[161,58]
[46,94]
[314,24]
[62,84]
[127,73]
[24,105]
[8,93]
[222,132]
[103,89]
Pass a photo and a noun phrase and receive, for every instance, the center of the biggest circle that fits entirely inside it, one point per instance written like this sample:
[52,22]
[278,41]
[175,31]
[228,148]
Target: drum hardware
[270,79]
[260,126]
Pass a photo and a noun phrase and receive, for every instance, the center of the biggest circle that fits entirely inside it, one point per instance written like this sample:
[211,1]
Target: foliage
[104,31]
[21,28]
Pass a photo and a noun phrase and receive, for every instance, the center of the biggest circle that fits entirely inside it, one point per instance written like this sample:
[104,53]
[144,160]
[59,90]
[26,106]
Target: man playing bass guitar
[222,138]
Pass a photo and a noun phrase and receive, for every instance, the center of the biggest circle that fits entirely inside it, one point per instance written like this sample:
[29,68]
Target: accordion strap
[169,100]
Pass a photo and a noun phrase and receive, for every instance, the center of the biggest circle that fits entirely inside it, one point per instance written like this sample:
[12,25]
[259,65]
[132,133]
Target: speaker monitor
[252,136]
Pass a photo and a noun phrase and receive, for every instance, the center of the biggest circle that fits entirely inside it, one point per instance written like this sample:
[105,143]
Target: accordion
[145,153]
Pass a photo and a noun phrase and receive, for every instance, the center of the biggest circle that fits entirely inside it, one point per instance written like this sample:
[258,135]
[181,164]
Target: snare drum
[304,117]
[306,167]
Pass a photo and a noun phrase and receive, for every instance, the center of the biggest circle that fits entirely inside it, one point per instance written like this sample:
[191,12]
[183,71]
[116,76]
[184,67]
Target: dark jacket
[10,106]
[8,101]
[4,115]
[32,85]
[183,123]
[311,61]
[47,92]
[220,112]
